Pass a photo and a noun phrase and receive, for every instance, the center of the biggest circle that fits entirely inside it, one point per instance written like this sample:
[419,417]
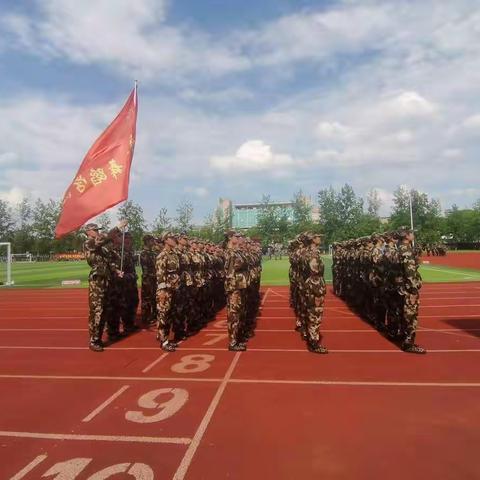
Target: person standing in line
[102,272]
[168,281]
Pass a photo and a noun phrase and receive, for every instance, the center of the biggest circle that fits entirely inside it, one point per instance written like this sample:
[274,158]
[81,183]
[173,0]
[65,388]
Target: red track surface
[365,411]
[459,260]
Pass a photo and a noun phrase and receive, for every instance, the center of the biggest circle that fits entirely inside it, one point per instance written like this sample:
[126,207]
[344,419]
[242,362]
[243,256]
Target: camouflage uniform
[315,291]
[184,297]
[103,270]
[168,281]
[235,284]
[409,291]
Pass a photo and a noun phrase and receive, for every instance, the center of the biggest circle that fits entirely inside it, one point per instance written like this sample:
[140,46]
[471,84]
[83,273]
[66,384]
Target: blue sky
[244,98]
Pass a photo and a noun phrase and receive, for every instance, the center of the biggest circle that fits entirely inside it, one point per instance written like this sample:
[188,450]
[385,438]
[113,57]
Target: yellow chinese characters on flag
[103,177]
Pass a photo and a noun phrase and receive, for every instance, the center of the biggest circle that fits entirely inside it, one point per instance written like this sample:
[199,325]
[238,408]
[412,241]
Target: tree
[6,221]
[341,213]
[374,203]
[427,212]
[136,221]
[45,217]
[23,240]
[462,225]
[184,216]
[162,222]
[104,220]
[272,222]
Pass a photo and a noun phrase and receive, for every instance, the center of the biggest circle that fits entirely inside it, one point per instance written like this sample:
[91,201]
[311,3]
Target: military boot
[315,347]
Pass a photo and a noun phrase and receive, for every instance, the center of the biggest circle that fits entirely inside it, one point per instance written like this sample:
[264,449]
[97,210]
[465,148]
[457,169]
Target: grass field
[275,272]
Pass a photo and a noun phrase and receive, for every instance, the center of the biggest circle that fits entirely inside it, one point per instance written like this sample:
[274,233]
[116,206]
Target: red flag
[102,179]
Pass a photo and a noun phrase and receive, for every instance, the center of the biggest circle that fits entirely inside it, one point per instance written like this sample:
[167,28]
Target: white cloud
[409,104]
[472,122]
[13,195]
[253,156]
[129,36]
[333,131]
[452,153]
[200,192]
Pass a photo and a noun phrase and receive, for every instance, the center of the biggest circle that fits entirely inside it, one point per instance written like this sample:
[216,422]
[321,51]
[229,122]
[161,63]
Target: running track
[365,411]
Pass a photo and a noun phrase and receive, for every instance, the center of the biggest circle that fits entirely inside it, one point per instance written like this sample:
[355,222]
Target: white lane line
[240,380]
[155,362]
[99,438]
[360,383]
[264,297]
[186,349]
[125,379]
[36,461]
[105,404]
[473,274]
[449,332]
[197,438]
[448,306]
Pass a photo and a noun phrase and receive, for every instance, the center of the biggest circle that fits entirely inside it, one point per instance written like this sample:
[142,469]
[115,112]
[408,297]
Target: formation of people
[378,277]
[434,249]
[185,282]
[307,288]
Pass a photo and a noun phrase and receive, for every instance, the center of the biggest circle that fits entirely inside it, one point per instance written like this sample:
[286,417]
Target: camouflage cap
[148,238]
[404,232]
[166,235]
[91,226]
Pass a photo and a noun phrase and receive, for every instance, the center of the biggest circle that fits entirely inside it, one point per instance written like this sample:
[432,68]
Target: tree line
[30,225]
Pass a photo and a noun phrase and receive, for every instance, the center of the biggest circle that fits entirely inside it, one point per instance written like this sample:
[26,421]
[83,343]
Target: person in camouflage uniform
[309,289]
[409,290]
[168,282]
[184,293]
[197,320]
[116,296]
[130,285]
[378,277]
[149,281]
[315,291]
[235,284]
[103,271]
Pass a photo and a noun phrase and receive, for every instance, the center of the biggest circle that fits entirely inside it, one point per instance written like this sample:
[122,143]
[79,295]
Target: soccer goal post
[5,264]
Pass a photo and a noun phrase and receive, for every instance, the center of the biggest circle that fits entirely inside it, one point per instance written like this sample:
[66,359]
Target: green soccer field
[275,272]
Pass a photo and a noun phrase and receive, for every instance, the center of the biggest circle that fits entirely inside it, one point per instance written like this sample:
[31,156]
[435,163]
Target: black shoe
[413,348]
[168,346]
[96,347]
[237,347]
[316,348]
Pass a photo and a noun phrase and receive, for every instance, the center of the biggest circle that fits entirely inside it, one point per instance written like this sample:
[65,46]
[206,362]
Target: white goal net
[5,265]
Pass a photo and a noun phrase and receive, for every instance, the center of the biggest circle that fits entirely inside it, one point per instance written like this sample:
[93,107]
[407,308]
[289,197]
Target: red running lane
[456,259]
[284,413]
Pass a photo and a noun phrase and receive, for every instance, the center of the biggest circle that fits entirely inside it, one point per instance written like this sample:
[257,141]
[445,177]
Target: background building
[244,215]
